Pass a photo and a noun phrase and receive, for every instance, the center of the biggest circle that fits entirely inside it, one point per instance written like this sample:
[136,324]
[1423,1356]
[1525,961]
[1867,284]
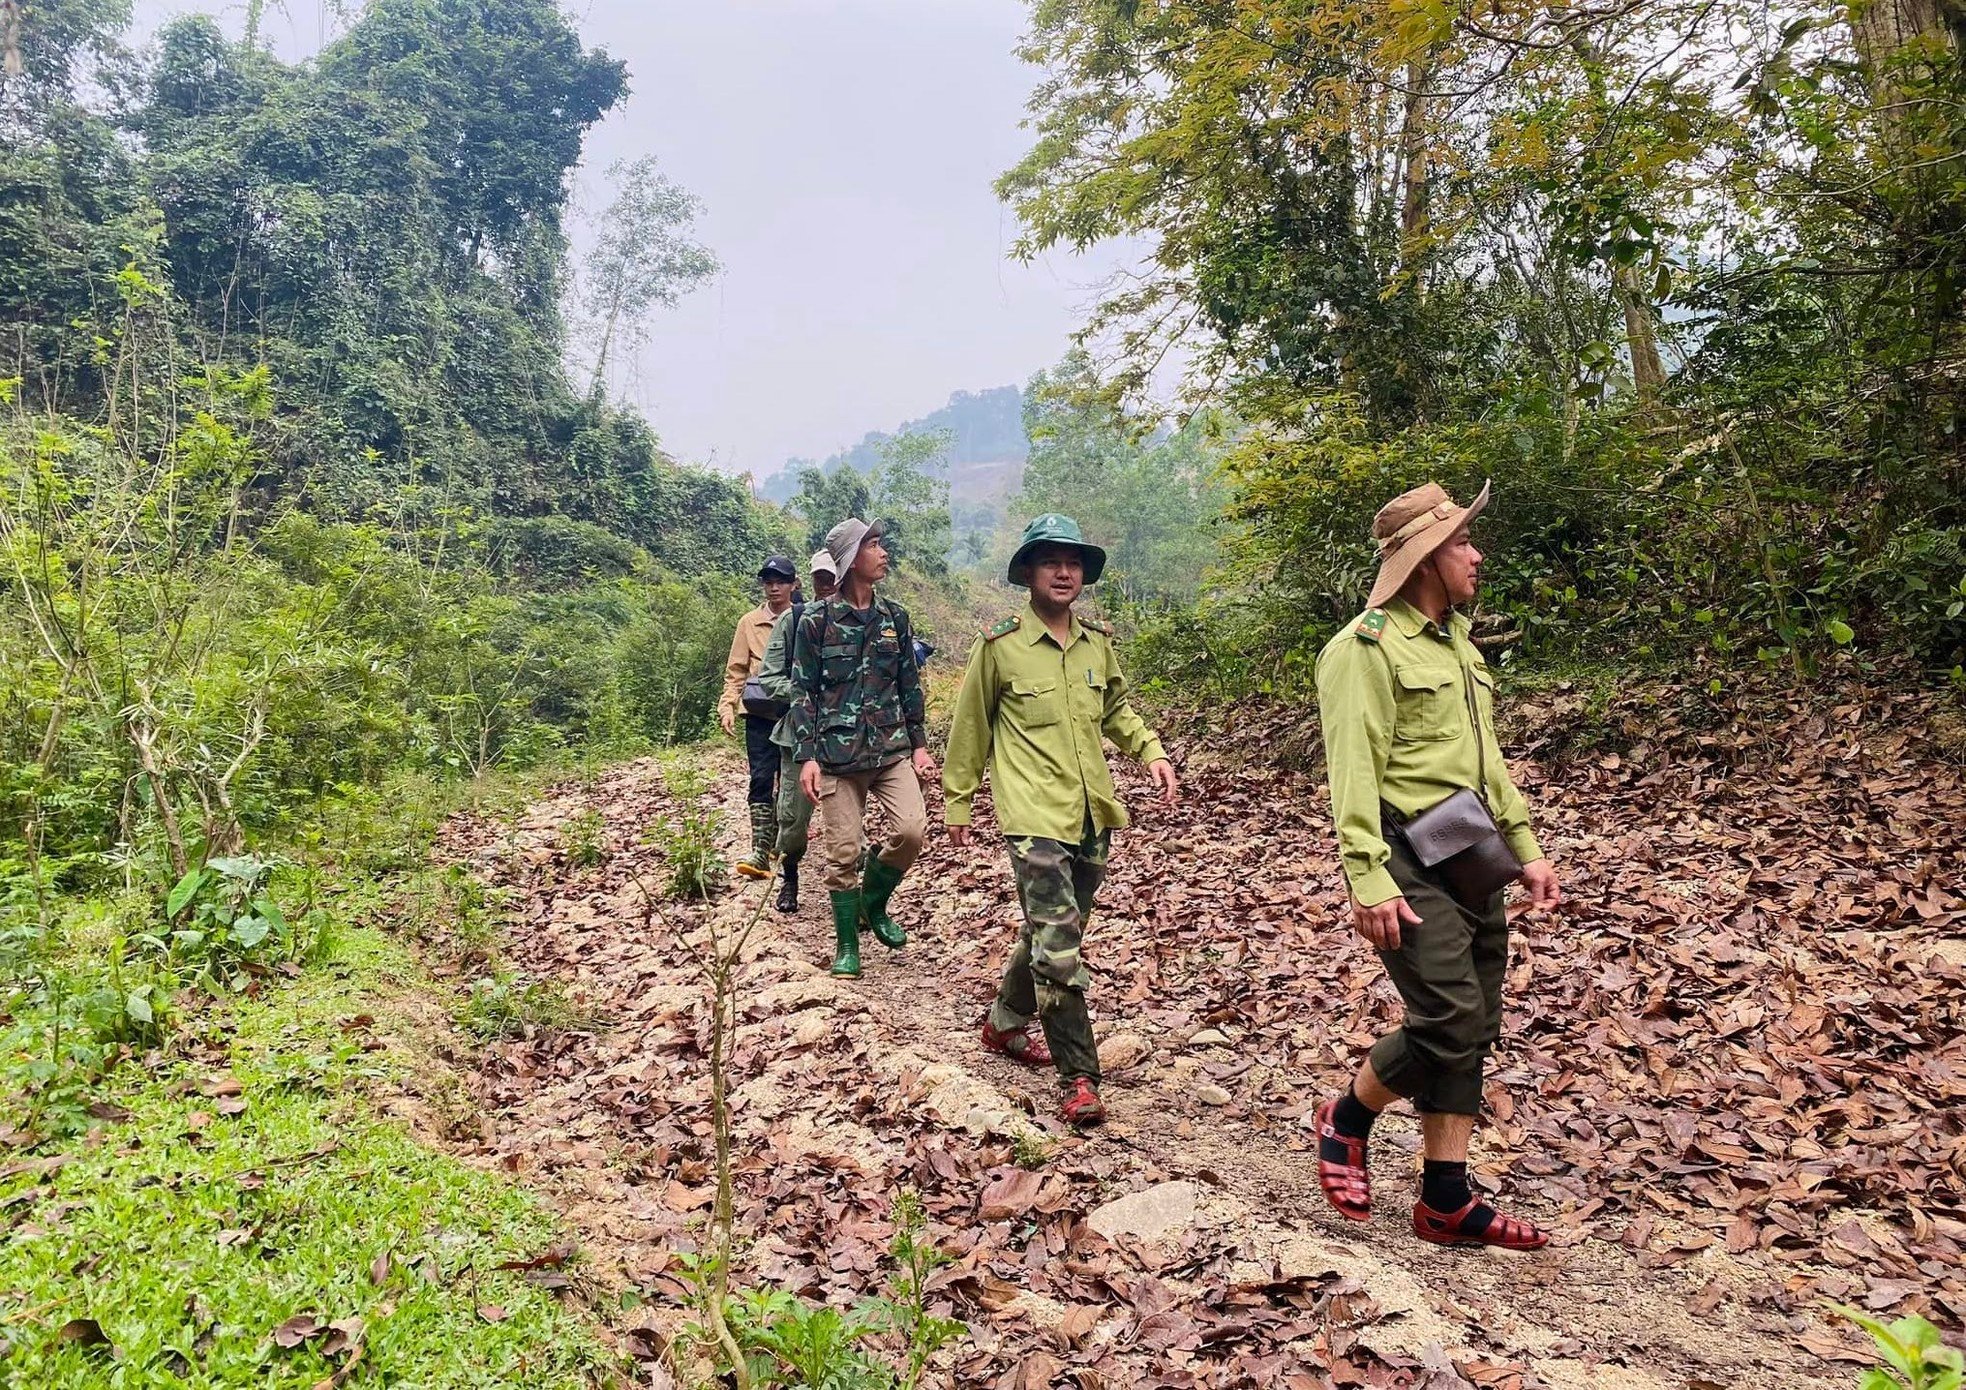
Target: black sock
[1444,1187]
[1351,1119]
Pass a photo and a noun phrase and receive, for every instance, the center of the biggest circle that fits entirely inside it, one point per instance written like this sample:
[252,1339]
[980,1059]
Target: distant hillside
[986,454]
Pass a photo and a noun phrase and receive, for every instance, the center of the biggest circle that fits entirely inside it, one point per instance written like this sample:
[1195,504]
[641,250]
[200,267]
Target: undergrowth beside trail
[232,1207]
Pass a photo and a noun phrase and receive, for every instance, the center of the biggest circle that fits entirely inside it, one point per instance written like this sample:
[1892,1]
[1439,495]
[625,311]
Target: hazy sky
[844,151]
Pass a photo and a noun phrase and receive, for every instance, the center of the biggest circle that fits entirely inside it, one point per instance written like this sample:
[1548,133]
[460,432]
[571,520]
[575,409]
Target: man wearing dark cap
[1040,693]
[747,653]
[775,675]
[1430,830]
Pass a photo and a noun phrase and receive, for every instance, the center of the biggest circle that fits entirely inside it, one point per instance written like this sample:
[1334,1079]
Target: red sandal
[1347,1186]
[1504,1232]
[1026,1044]
[1081,1105]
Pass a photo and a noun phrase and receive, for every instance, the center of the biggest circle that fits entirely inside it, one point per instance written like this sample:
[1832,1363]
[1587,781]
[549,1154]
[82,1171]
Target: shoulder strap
[1004,628]
[1103,629]
[792,638]
[1371,627]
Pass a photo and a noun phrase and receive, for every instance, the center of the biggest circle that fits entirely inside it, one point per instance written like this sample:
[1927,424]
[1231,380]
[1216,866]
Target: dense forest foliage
[1682,278]
[297,490]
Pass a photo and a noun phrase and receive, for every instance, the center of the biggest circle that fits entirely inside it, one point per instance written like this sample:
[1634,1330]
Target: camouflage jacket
[857,693]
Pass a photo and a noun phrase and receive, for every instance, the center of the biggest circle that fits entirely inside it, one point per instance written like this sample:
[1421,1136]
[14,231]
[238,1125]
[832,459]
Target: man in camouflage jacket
[858,732]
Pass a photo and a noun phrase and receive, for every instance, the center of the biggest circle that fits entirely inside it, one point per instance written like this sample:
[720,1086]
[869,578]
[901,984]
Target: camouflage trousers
[1056,883]
[794,811]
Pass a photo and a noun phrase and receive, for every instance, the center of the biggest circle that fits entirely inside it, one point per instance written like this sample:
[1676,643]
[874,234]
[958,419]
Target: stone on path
[1160,1211]
[1210,1094]
[1123,1050]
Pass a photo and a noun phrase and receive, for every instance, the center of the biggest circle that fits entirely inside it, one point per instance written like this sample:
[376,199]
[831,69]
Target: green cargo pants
[1056,883]
[1449,973]
[794,811]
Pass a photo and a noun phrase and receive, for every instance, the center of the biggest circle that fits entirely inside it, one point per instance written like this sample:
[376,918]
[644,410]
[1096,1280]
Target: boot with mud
[1081,1105]
[764,836]
[877,885]
[788,888]
[846,934]
[1021,1044]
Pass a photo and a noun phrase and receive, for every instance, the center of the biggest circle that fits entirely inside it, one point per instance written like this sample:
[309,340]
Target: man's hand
[959,835]
[728,718]
[1162,771]
[925,767]
[1379,924]
[1539,877]
[809,781]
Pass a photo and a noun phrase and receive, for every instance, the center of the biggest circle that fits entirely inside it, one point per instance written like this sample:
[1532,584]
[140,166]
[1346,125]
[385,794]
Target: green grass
[189,1243]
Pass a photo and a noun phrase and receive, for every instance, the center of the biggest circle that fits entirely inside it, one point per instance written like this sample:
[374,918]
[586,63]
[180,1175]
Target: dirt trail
[1226,978]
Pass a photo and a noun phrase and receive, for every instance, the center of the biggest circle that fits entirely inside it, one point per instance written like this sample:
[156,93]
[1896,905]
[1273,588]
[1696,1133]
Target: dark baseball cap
[778,567]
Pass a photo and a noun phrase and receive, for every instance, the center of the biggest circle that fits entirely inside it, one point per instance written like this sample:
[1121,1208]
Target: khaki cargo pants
[1046,977]
[843,798]
[1449,973]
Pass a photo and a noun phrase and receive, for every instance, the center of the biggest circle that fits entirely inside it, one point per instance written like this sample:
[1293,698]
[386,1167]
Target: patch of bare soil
[1731,1081]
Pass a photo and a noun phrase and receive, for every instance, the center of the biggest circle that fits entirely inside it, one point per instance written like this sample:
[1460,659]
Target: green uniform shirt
[775,673]
[1393,693]
[1035,712]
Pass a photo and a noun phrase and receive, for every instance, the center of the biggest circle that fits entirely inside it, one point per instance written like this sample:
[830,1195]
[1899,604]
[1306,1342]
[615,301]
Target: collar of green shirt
[1411,622]
[1034,626]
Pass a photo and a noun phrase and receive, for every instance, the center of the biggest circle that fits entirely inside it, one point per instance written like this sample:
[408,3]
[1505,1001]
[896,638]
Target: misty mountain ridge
[985,459]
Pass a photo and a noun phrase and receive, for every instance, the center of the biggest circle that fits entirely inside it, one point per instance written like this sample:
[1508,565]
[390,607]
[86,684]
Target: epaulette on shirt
[1372,626]
[1003,629]
[1104,628]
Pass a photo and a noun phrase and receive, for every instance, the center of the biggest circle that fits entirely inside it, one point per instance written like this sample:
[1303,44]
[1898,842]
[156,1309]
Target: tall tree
[643,258]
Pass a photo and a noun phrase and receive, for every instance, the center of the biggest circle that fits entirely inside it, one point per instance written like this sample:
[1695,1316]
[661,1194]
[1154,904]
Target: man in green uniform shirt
[1407,705]
[775,675]
[1038,694]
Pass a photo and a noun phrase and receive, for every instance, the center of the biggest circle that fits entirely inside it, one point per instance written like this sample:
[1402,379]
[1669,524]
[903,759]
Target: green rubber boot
[764,836]
[846,933]
[876,887]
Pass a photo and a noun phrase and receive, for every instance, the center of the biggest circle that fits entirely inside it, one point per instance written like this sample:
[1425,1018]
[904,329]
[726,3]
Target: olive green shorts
[1449,973]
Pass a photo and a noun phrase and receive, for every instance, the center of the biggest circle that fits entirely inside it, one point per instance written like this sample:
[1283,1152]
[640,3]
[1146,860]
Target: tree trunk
[1413,151]
[1883,29]
[10,37]
[1641,338]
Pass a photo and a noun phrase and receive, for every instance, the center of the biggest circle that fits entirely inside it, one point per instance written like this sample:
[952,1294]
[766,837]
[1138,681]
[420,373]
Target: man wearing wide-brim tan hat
[1407,705]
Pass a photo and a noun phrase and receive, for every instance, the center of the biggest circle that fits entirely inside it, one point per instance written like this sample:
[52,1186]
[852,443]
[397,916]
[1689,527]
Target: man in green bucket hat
[1040,693]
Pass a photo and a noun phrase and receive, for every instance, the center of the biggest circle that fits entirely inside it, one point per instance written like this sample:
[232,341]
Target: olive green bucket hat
[1053,529]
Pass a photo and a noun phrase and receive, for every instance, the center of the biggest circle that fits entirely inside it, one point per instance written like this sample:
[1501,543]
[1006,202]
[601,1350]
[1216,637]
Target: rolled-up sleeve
[1358,709]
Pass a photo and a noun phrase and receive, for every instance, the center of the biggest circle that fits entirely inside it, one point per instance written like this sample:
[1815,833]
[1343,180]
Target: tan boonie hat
[843,542]
[822,563]
[1410,528]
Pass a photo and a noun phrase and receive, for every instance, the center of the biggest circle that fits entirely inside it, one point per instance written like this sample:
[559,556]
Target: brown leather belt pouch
[1459,840]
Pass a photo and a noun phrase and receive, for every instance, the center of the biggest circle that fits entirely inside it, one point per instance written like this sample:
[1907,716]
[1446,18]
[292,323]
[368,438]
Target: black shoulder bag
[755,699]
[1458,837]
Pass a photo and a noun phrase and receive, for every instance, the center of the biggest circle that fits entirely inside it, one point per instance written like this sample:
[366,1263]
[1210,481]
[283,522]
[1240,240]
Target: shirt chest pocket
[1034,701]
[838,662]
[1089,696]
[1429,704]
